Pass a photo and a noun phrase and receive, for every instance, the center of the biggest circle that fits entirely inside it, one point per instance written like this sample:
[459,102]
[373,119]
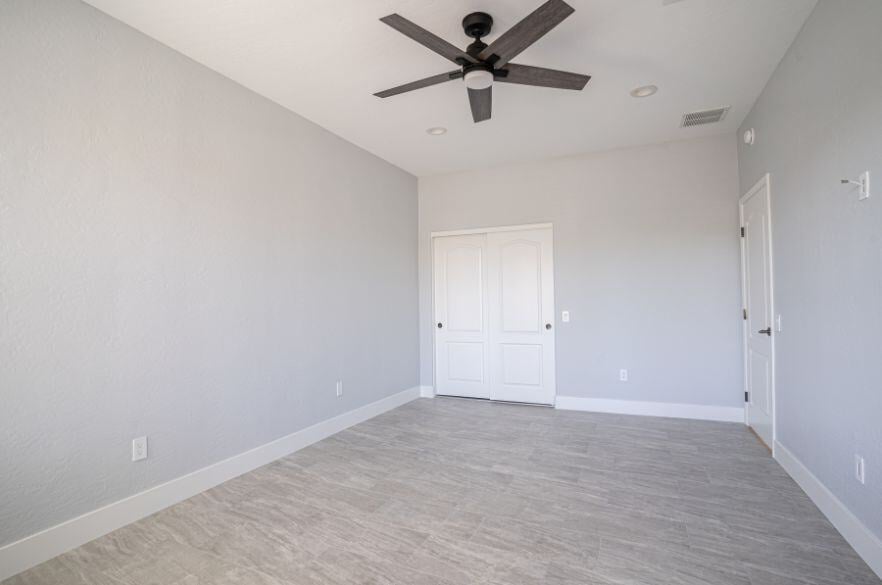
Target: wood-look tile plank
[459,492]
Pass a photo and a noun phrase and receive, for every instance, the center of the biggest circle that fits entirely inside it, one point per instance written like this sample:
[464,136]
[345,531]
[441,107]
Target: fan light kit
[644,91]
[478,79]
[480,65]
[436,131]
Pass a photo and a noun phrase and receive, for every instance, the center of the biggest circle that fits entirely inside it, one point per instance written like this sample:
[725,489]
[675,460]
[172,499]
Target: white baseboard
[864,542]
[427,392]
[665,409]
[35,549]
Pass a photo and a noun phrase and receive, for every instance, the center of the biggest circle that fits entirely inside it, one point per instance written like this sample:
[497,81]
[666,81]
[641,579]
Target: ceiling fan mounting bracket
[477,24]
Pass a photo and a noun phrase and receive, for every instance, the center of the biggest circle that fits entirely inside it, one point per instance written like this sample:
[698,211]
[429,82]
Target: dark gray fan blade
[434,80]
[481,101]
[528,75]
[427,39]
[526,32]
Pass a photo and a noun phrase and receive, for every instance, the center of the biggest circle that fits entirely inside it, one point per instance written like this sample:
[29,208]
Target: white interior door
[756,255]
[521,301]
[461,361]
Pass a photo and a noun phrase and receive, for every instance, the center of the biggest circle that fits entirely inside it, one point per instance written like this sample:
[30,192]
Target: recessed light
[644,91]
[437,131]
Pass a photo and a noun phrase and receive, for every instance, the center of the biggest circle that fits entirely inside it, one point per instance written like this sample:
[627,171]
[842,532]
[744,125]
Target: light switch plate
[859,469]
[565,316]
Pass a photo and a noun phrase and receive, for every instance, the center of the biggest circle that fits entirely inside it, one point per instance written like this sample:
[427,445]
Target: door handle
[548,325]
[440,325]
[766,331]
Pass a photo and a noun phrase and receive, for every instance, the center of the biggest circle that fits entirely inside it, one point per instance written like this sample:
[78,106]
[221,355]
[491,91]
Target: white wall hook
[863,182]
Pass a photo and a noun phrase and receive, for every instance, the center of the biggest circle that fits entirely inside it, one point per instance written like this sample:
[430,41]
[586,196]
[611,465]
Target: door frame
[467,232]
[764,184]
[490,230]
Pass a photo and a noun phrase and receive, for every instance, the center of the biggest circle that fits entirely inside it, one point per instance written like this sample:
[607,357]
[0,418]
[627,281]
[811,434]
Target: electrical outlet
[339,388]
[623,375]
[139,448]
[565,316]
[859,469]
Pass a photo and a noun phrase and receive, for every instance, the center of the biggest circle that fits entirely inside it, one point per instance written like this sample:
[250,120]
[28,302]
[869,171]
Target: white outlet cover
[139,448]
[623,375]
[565,316]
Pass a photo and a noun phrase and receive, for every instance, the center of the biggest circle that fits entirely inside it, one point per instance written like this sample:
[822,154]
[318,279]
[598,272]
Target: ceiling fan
[482,64]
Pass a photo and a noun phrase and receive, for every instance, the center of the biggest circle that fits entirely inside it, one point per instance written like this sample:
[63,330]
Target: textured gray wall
[646,260]
[179,258]
[819,119]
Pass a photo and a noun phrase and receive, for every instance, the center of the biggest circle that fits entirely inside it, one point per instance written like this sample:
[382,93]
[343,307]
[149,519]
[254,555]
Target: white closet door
[521,298]
[461,316]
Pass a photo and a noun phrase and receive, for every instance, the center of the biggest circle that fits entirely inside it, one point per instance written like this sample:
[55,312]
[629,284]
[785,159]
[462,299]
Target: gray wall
[646,260]
[819,119]
[179,258]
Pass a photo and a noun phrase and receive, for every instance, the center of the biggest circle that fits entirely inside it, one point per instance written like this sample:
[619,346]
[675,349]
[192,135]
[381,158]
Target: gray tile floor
[451,491]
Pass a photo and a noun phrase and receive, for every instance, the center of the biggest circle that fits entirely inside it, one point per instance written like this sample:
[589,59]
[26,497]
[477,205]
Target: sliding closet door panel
[520,286]
[464,289]
[520,293]
[461,360]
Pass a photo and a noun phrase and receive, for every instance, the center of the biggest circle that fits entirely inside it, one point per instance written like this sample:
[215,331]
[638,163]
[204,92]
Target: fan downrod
[477,25]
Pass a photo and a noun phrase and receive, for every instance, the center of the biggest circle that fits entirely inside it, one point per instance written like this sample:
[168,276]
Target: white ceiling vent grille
[705,117]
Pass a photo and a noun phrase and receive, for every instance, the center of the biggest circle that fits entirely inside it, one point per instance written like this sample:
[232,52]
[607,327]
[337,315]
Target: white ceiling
[324,59]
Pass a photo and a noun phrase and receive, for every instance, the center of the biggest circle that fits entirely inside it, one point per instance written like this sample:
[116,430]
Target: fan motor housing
[477,24]
[477,67]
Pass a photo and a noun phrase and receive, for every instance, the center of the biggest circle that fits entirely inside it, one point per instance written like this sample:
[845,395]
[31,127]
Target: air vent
[705,117]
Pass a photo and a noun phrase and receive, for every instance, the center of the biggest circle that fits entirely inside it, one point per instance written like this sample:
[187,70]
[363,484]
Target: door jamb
[763,184]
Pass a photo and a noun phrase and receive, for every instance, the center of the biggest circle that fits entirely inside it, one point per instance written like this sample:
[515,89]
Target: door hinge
[742,232]
[744,314]
[746,397]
